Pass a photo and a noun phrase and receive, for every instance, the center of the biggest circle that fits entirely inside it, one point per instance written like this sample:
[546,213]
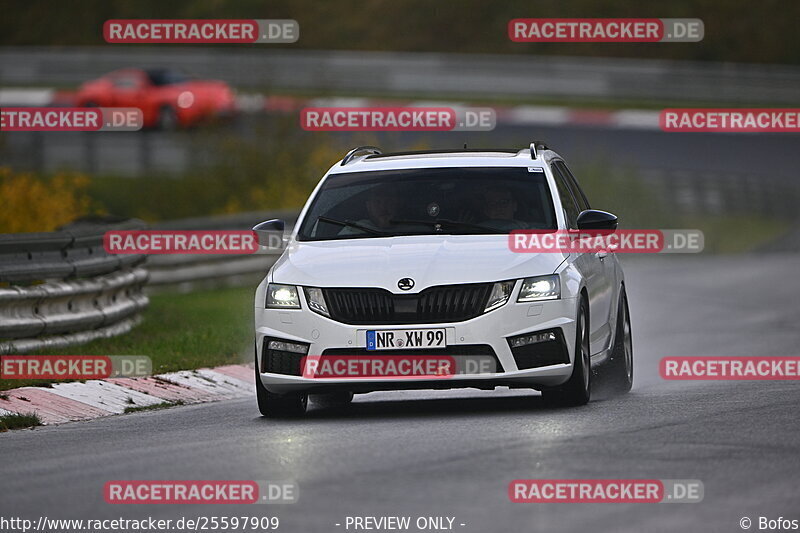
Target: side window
[125,81]
[580,197]
[567,201]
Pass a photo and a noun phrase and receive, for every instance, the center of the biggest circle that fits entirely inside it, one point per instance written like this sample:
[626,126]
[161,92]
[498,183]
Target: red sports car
[168,99]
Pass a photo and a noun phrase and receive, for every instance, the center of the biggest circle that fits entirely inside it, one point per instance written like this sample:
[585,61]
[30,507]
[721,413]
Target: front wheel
[167,119]
[621,364]
[278,405]
[578,389]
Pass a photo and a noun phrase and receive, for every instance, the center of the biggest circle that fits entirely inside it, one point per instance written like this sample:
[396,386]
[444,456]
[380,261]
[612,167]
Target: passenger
[499,210]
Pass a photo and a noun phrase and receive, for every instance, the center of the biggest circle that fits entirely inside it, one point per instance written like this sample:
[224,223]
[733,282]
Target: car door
[128,88]
[591,265]
[610,262]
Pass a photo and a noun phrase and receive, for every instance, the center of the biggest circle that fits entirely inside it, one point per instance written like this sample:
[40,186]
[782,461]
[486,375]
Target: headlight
[540,288]
[499,295]
[186,99]
[316,301]
[282,296]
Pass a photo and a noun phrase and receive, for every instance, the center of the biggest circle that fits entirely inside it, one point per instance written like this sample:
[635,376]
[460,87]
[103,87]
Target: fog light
[524,340]
[283,346]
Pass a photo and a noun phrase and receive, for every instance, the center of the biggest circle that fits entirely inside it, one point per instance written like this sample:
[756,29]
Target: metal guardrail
[191,270]
[61,288]
[435,74]
[74,252]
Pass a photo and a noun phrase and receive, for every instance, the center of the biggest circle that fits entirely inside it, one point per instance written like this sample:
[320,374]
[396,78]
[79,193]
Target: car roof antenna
[465,146]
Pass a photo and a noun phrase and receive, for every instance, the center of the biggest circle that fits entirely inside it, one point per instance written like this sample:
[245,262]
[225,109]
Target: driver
[382,206]
[499,210]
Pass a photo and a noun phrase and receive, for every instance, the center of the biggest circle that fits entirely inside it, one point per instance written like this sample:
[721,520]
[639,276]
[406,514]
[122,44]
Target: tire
[578,389]
[333,399]
[620,377]
[167,119]
[278,405]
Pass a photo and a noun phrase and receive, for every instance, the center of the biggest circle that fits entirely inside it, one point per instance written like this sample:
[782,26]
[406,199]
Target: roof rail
[452,151]
[535,146]
[358,151]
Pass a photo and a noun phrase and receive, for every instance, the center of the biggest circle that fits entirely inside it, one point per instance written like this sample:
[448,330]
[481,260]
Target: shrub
[30,203]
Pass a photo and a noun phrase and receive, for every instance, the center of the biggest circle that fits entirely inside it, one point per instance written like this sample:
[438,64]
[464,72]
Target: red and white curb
[73,401]
[523,115]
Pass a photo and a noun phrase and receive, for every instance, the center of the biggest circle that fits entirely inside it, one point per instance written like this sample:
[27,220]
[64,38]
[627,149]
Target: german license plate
[395,339]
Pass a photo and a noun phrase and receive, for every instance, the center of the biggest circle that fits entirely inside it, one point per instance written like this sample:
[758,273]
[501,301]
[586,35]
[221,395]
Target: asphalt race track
[773,158]
[454,453]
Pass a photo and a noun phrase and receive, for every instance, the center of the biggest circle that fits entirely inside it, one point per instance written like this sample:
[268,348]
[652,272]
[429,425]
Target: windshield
[464,201]
[166,77]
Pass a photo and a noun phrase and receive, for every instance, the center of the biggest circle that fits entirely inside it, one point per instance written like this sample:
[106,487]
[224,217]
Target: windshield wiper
[439,222]
[351,224]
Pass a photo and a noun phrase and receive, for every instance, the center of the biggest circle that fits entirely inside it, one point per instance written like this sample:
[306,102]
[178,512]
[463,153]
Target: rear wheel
[621,365]
[278,405]
[167,119]
[578,389]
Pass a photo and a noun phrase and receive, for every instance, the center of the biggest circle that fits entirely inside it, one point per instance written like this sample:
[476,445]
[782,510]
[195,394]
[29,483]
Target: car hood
[428,259]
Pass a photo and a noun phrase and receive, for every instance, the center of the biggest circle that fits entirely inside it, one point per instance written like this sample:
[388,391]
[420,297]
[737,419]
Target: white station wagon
[404,258]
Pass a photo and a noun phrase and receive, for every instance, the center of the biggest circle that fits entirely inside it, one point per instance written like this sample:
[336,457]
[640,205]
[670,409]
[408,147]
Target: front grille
[458,350]
[446,303]
[289,363]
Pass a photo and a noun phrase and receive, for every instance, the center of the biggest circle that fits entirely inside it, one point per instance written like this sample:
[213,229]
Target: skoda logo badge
[406,284]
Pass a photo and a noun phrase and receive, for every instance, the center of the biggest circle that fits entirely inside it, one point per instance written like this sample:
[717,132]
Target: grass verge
[19,421]
[735,234]
[641,206]
[179,332]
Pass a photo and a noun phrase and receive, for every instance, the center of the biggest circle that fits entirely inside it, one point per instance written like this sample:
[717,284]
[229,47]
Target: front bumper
[491,329]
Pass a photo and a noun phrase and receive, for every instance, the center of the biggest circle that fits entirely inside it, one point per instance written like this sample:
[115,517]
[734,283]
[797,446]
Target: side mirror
[270,233]
[592,219]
